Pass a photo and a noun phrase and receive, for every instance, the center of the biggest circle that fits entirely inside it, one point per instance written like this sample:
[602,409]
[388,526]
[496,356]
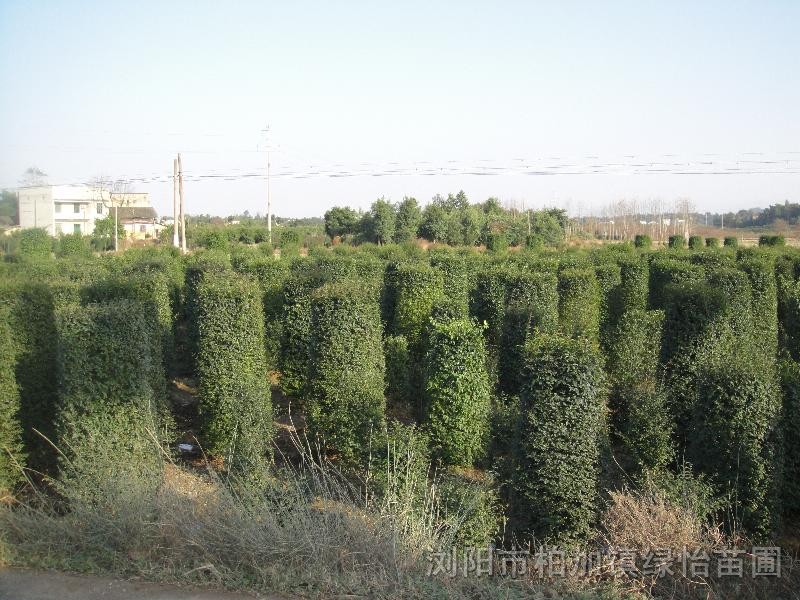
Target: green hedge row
[235,399]
[346,369]
[562,420]
[457,392]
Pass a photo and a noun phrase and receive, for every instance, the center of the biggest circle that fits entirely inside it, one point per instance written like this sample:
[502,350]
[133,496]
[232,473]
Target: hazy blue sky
[90,88]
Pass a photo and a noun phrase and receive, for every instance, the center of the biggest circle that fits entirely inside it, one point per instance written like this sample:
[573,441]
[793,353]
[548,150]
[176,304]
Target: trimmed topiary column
[457,392]
[12,458]
[346,374]
[562,419]
[579,303]
[235,402]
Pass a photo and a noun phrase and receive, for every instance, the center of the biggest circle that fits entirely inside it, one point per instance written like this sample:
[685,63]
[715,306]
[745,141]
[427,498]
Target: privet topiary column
[346,372]
[562,419]
[12,458]
[457,393]
[235,402]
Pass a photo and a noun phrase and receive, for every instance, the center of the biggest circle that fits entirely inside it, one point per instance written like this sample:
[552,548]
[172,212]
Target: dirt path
[22,584]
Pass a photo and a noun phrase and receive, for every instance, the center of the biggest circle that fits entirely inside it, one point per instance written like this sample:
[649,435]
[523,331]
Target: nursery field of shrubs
[515,391]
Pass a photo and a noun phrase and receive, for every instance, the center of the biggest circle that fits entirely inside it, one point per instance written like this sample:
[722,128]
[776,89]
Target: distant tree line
[451,220]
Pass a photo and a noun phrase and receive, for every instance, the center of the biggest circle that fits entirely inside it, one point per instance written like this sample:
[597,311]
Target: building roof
[136,213]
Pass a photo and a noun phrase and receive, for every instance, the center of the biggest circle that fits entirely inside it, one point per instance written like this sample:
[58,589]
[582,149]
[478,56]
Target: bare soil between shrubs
[26,584]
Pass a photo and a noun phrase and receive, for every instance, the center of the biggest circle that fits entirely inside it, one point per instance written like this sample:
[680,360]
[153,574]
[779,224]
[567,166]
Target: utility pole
[269,197]
[116,228]
[183,216]
[175,238]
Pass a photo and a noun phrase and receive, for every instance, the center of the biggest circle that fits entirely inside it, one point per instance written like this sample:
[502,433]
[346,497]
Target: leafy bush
[197,266]
[638,402]
[634,275]
[712,242]
[642,241]
[790,383]
[73,245]
[35,243]
[733,434]
[691,310]
[346,371]
[418,288]
[455,276]
[771,240]
[609,281]
[471,508]
[105,395]
[31,317]
[532,309]
[677,241]
[235,401]
[12,458]
[579,303]
[488,301]
[764,305]
[457,394]
[296,333]
[731,241]
[398,370]
[668,270]
[562,418]
[496,242]
[695,242]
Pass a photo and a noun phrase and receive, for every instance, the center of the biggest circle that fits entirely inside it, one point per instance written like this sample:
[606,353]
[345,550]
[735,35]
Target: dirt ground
[24,584]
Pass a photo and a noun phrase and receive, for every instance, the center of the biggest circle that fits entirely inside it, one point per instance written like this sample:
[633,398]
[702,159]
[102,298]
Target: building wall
[69,208]
[36,208]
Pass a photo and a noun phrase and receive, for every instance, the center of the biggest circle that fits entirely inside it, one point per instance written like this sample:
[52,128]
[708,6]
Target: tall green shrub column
[641,417]
[457,393]
[532,309]
[733,436]
[235,401]
[562,417]
[579,303]
[12,458]
[108,421]
[418,289]
[346,373]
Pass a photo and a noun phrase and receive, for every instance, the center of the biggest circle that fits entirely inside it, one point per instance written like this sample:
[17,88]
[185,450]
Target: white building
[71,208]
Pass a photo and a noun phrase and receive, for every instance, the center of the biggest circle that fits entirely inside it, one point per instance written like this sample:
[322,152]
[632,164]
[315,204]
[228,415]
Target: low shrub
[676,241]
[695,242]
[642,241]
[712,242]
[35,243]
[771,240]
[730,241]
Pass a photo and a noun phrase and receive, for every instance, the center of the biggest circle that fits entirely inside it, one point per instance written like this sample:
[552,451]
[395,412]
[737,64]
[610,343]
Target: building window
[99,208]
[142,228]
[76,228]
[76,208]
[58,207]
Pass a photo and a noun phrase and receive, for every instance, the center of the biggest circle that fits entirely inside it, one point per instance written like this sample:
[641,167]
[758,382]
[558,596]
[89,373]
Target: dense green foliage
[579,303]
[346,369]
[562,420]
[106,399]
[12,459]
[35,243]
[418,289]
[457,394]
[642,241]
[235,405]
